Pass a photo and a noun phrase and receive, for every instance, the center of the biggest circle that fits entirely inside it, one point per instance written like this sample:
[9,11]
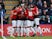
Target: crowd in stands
[45,10]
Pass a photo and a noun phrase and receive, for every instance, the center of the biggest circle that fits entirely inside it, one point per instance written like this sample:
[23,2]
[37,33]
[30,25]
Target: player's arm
[11,15]
[36,12]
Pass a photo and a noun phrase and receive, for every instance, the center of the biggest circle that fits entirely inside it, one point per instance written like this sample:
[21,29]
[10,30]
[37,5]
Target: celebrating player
[13,18]
[29,20]
[36,18]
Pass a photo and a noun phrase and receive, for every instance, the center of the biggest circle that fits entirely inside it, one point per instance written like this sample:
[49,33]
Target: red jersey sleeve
[12,16]
[36,12]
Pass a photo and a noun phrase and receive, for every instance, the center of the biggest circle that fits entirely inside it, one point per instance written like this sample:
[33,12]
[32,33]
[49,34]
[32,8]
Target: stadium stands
[9,5]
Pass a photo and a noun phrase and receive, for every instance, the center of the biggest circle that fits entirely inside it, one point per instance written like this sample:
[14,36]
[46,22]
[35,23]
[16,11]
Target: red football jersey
[35,10]
[14,14]
[29,14]
[19,13]
[18,9]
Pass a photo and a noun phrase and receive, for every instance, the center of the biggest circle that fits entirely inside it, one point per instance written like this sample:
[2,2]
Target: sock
[18,31]
[28,30]
[12,31]
[39,30]
[33,29]
[25,31]
[22,31]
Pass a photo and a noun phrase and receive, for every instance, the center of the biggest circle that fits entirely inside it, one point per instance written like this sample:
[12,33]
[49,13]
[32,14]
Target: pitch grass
[35,37]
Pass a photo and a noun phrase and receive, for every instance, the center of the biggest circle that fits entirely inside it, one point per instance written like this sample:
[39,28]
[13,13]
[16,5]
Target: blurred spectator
[31,2]
[42,20]
[50,10]
[46,1]
[39,4]
[51,19]
[47,19]
[50,1]
[24,1]
[45,8]
[44,12]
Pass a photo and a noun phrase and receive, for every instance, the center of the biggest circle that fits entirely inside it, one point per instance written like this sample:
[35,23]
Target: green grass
[0,37]
[35,37]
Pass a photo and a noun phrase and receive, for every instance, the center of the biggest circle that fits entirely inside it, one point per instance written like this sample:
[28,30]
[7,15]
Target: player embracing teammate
[23,19]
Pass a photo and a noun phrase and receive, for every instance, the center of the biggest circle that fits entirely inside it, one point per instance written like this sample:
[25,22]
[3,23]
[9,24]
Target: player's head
[22,5]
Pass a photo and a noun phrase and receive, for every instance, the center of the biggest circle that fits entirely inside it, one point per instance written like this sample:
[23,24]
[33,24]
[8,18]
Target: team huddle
[25,20]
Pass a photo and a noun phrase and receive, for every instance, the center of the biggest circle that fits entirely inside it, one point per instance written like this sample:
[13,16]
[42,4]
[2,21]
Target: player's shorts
[32,23]
[36,21]
[20,23]
[29,23]
[14,23]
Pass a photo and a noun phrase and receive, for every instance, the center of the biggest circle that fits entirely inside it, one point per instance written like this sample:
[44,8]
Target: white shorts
[32,23]
[29,23]
[20,23]
[14,23]
[36,21]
